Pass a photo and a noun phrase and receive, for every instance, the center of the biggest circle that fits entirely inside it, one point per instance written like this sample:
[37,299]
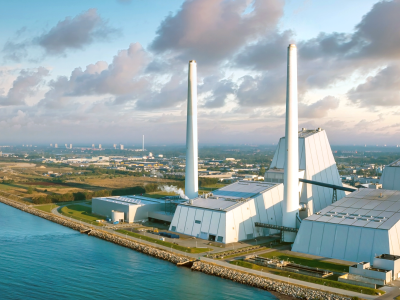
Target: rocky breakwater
[264,283]
[116,239]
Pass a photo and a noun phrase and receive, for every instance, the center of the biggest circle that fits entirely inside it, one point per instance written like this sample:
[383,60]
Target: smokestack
[191,173]
[143,144]
[291,175]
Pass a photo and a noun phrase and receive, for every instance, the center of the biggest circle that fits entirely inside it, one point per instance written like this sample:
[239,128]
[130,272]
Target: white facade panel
[190,221]
[238,219]
[302,242]
[340,241]
[316,238]
[182,219]
[232,231]
[222,227]
[327,240]
[353,240]
[215,218]
[205,224]
[366,244]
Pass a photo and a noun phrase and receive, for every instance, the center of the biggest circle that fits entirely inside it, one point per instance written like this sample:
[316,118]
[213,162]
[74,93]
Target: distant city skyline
[108,72]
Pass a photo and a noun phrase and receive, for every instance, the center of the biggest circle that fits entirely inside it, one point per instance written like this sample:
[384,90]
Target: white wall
[236,224]
[390,179]
[344,242]
[316,158]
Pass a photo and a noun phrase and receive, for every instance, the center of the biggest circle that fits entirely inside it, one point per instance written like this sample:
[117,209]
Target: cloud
[122,78]
[267,53]
[260,91]
[211,30]
[318,109]
[218,91]
[70,34]
[382,89]
[24,86]
[76,33]
[171,93]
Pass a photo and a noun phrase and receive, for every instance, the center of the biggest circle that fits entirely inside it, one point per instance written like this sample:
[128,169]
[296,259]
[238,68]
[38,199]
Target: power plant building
[230,213]
[134,208]
[391,176]
[316,162]
[357,228]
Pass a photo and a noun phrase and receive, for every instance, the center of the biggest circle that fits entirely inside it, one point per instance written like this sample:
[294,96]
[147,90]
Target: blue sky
[110,71]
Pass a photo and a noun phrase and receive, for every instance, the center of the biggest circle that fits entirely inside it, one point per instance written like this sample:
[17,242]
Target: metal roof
[232,195]
[307,133]
[395,164]
[364,208]
[131,200]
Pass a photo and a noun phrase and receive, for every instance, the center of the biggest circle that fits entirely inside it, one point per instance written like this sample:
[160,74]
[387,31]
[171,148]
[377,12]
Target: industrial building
[229,214]
[134,208]
[391,176]
[316,163]
[360,226]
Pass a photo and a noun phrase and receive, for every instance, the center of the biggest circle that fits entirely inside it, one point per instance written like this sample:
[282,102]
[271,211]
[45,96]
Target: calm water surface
[43,260]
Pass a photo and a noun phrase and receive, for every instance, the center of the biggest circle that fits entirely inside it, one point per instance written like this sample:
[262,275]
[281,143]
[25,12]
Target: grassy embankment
[47,207]
[330,281]
[82,213]
[163,243]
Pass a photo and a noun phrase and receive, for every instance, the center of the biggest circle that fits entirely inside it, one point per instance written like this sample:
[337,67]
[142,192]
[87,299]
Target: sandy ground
[17,165]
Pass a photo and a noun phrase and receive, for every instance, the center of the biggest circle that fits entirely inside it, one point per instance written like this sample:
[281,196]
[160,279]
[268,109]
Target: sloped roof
[232,195]
[364,208]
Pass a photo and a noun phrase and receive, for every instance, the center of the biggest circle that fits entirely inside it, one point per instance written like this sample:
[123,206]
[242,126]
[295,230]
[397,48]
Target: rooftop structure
[360,226]
[391,176]
[229,214]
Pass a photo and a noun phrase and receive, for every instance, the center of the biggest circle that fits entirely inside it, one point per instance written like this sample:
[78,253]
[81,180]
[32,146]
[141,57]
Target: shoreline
[281,290]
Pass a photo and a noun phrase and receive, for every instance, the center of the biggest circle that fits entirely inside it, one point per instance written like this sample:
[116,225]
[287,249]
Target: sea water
[43,260]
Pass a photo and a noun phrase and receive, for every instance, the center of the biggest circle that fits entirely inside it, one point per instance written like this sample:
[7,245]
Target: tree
[262,171]
[30,190]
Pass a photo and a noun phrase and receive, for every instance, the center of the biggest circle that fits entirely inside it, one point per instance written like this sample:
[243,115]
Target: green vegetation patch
[47,207]
[315,263]
[163,243]
[81,212]
[321,281]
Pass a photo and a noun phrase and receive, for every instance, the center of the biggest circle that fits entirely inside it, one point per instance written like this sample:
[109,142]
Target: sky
[110,71]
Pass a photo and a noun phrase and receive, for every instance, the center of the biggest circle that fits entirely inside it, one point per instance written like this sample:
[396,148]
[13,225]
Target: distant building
[99,146]
[55,146]
[70,146]
[121,147]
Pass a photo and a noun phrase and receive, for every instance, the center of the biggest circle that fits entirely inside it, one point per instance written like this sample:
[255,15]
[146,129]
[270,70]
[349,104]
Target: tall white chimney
[291,176]
[191,174]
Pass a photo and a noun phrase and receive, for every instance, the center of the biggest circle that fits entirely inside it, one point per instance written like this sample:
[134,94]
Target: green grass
[321,281]
[163,243]
[81,212]
[244,253]
[46,207]
[315,263]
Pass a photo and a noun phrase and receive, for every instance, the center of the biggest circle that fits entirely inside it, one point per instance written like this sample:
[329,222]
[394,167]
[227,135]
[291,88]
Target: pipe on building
[291,173]
[191,172]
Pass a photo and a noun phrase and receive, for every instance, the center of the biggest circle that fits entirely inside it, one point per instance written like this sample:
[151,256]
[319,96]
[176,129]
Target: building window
[220,239]
[197,222]
[173,228]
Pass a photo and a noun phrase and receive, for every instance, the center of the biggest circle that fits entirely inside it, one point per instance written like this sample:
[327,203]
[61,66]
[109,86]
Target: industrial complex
[301,198]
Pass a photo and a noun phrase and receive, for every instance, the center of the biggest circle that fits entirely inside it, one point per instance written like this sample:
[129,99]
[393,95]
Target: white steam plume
[173,189]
